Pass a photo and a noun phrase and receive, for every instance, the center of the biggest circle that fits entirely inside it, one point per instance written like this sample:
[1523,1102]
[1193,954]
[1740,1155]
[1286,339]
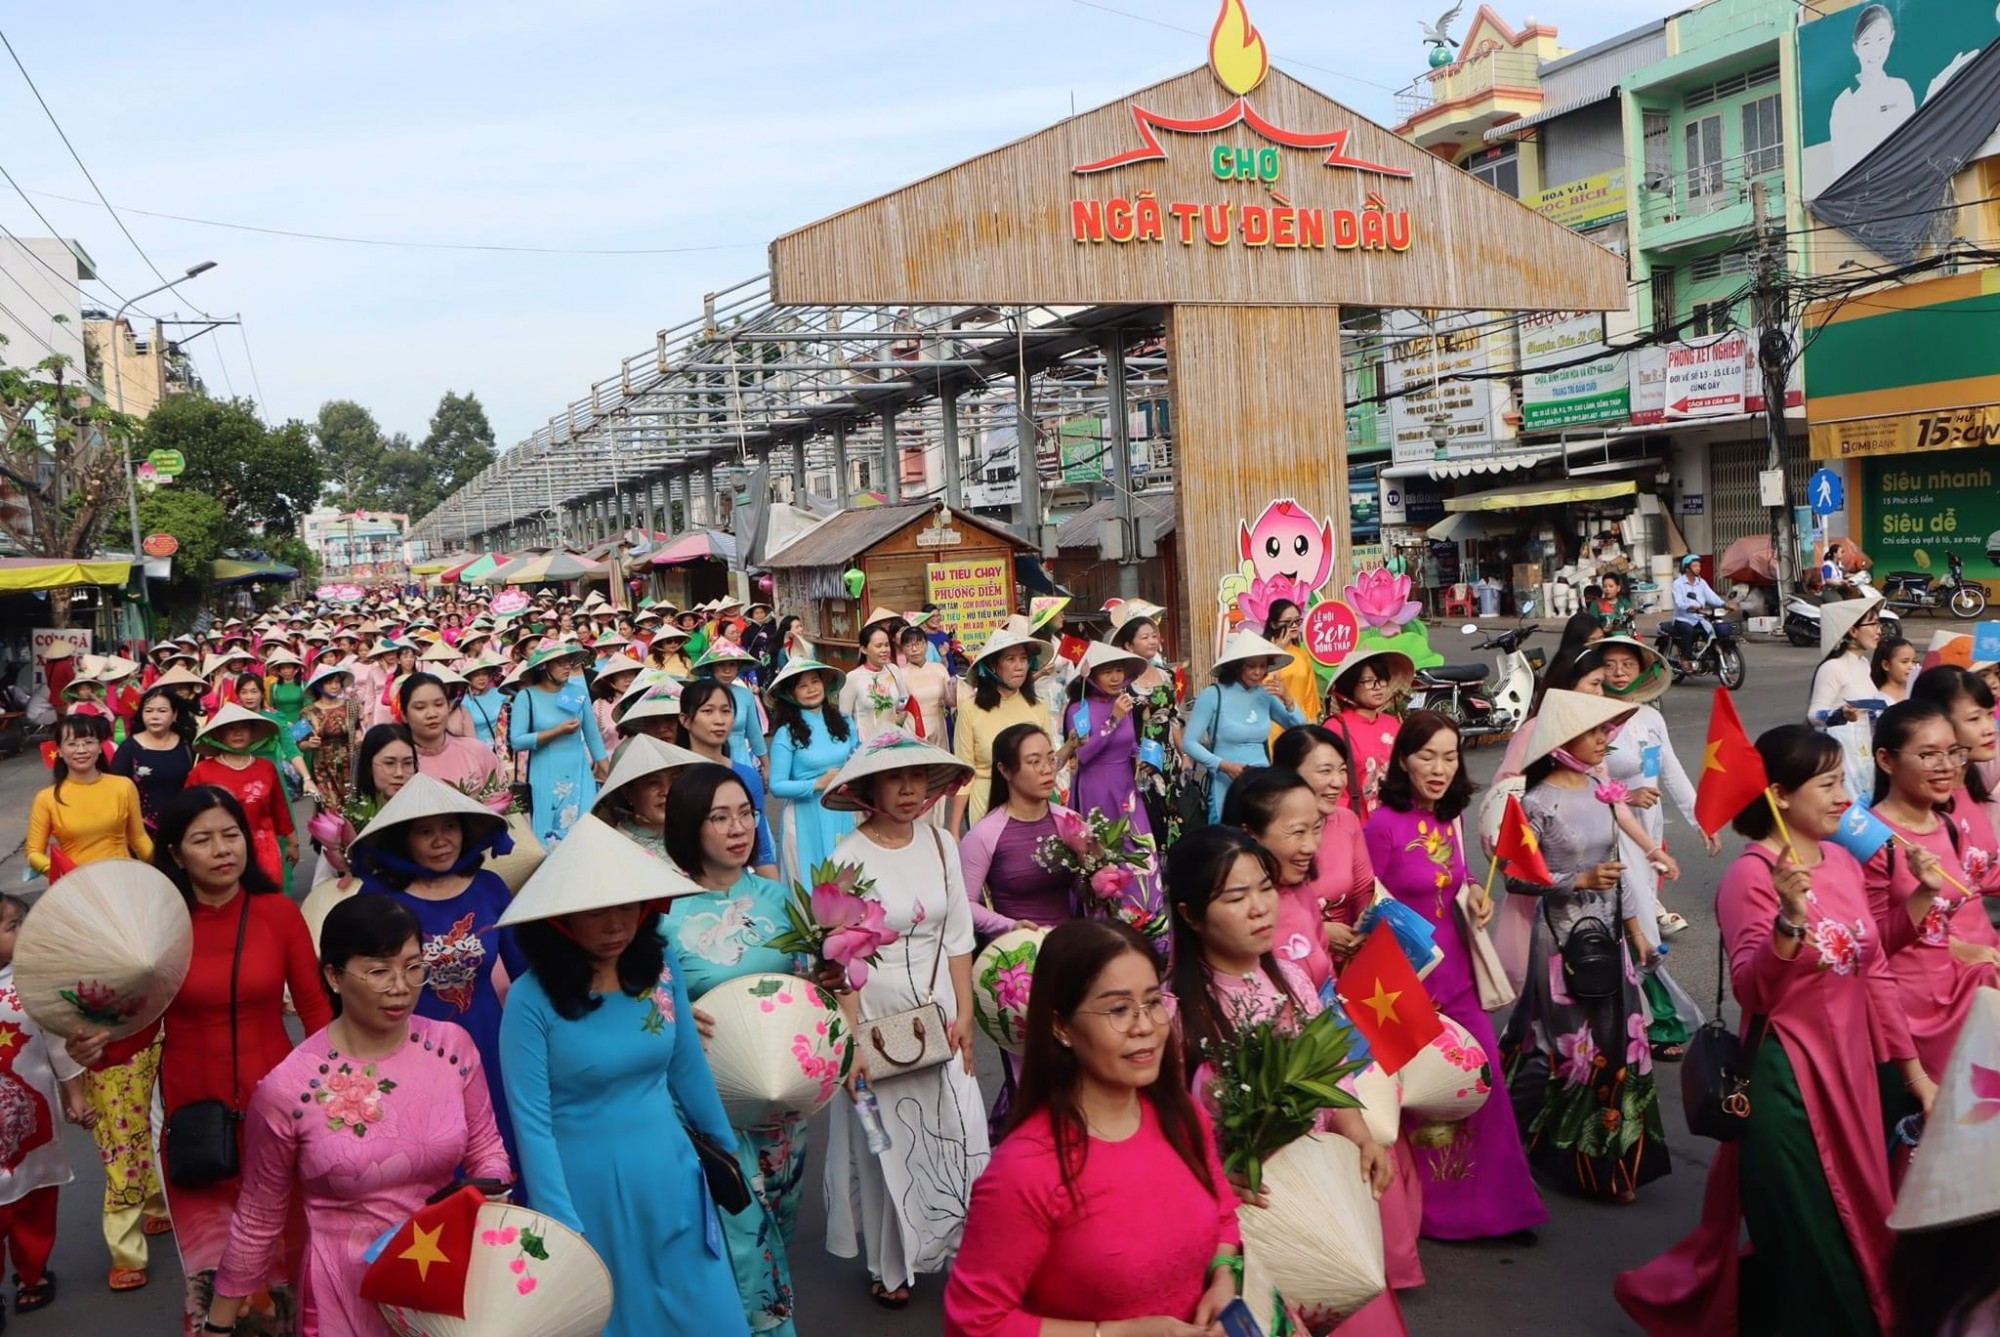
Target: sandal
[158,1225]
[27,1299]
[1671,922]
[127,1278]
[889,1299]
[1669,1053]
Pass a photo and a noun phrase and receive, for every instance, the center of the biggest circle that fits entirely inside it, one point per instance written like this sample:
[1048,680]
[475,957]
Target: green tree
[202,525]
[349,445]
[458,445]
[266,478]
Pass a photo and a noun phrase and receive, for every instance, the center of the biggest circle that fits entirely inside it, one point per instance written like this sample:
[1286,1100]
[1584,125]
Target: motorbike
[1714,650]
[1483,705]
[1918,591]
[1801,623]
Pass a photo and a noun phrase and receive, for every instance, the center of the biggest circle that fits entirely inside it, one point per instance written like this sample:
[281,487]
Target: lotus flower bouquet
[1113,865]
[838,919]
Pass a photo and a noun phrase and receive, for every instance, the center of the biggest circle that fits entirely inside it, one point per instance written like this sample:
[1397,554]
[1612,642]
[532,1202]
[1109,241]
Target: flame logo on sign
[1236,50]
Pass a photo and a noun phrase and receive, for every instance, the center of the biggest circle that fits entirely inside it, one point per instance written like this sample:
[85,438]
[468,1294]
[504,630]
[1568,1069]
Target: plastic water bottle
[870,1115]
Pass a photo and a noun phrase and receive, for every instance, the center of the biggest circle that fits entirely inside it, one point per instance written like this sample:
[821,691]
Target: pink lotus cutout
[1985,1084]
[1382,600]
[1255,602]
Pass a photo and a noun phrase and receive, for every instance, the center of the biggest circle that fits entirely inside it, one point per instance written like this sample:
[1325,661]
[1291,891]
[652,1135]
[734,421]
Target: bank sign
[1916,511]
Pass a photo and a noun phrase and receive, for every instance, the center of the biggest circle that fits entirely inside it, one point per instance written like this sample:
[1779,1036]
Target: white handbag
[918,1037]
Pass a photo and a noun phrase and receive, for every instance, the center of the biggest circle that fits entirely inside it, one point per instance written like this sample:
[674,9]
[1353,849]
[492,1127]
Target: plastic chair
[1458,599]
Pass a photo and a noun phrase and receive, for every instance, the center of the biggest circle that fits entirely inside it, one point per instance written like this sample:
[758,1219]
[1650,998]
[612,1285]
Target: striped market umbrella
[551,567]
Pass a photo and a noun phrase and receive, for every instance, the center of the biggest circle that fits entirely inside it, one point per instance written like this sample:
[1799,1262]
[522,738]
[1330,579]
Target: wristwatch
[1787,927]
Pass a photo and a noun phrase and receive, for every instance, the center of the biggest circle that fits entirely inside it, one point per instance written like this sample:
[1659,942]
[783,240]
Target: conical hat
[440,652]
[1122,611]
[780,1047]
[881,614]
[1246,647]
[595,868]
[1955,1175]
[1449,1079]
[58,650]
[655,702]
[724,652]
[427,796]
[325,671]
[1042,609]
[235,714]
[1397,667]
[1001,976]
[1103,654]
[108,945]
[562,1289]
[109,668]
[281,656]
[1006,638]
[177,677]
[642,755]
[214,664]
[1838,618]
[672,634]
[894,750]
[798,668]
[1567,715]
[1654,676]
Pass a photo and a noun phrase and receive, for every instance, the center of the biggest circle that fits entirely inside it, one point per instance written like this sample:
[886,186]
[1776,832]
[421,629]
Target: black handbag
[1593,961]
[1715,1071]
[201,1135]
[726,1183]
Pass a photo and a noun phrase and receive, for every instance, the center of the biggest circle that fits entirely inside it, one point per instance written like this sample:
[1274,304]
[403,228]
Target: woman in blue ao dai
[553,723]
[810,741]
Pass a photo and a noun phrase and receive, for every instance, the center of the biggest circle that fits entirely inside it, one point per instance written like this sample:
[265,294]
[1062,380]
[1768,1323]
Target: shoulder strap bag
[1715,1070]
[201,1141]
[1593,957]
[919,1037]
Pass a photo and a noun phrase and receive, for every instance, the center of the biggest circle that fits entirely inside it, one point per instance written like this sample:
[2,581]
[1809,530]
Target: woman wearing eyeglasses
[1848,632]
[1283,623]
[226,1027]
[711,833]
[1940,963]
[377,1110]
[1105,1136]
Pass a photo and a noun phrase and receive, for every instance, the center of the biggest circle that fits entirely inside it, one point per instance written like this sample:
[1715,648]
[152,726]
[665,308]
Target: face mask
[1568,762]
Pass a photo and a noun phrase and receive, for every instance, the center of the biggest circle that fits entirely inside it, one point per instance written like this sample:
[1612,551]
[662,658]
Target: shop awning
[1470,525]
[1553,493]
[54,573]
[432,568]
[1505,462]
[470,572]
[232,571]
[700,545]
[549,567]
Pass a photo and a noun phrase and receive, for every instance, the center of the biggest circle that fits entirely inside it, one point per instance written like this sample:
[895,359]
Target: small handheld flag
[1732,770]
[1519,849]
[1387,1003]
[1861,833]
[425,1262]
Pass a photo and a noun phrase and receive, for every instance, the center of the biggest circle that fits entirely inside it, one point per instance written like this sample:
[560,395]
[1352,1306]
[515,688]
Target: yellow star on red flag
[424,1250]
[1384,1002]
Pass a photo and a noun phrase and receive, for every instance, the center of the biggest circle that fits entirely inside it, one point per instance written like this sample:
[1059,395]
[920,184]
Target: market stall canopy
[54,573]
[476,569]
[1457,528]
[702,544]
[251,571]
[1749,560]
[554,566]
[501,569]
[1552,493]
[432,568]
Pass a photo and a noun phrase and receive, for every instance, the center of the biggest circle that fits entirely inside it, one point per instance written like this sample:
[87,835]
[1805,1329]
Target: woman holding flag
[1416,844]
[1807,1175]
[1944,956]
[1576,1054]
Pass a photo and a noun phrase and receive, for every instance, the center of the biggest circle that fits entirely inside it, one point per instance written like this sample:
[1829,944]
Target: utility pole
[1774,360]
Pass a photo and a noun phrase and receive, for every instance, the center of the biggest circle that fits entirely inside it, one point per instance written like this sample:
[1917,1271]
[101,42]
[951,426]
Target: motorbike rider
[1833,583]
[1693,596]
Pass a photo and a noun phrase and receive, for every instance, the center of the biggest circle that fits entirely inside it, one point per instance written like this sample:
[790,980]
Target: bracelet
[1787,927]
[210,1325]
[1910,1083]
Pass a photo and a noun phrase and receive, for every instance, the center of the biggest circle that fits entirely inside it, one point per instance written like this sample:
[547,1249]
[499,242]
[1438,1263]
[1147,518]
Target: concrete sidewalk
[20,778]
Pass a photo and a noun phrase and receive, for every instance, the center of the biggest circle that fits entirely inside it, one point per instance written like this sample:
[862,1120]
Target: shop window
[1500,169]
[1663,303]
[1659,138]
[1713,318]
[1763,136]
[1702,139]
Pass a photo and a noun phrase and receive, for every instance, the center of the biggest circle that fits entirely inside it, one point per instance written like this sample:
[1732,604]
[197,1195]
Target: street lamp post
[118,391]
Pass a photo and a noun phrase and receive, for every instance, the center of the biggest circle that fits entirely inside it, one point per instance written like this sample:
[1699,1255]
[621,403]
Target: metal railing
[1495,69]
[1713,186]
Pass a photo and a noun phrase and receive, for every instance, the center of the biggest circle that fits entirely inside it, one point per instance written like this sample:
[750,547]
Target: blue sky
[585,124]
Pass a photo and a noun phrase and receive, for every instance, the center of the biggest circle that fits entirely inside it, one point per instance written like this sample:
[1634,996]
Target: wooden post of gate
[1252,208]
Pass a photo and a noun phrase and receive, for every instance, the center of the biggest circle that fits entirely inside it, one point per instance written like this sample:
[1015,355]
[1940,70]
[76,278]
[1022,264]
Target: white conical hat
[642,755]
[1838,618]
[595,868]
[324,671]
[1122,611]
[1955,1175]
[798,668]
[780,1047]
[1654,676]
[1566,715]
[427,796]
[1103,654]
[1449,1079]
[570,1294]
[108,945]
[1397,667]
[440,652]
[1006,638]
[894,750]
[177,677]
[1246,646]
[235,714]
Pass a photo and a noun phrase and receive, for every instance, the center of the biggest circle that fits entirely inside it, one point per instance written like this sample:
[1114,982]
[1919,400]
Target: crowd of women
[684,769]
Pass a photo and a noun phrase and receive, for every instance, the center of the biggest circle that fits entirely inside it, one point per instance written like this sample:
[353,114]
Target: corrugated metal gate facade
[1733,467]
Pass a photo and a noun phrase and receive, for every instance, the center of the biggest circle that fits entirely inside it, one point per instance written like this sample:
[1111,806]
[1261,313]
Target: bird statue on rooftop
[1439,36]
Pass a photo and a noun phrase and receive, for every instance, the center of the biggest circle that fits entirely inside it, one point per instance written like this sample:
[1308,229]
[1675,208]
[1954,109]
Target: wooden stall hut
[908,556]
[1082,569]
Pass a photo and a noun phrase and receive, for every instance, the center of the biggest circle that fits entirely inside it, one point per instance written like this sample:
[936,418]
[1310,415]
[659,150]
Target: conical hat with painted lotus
[780,1047]
[107,945]
[1955,1174]
[530,1276]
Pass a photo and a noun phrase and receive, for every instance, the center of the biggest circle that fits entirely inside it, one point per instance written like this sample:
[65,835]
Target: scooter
[1802,621]
[1714,650]
[1917,590]
[1479,705]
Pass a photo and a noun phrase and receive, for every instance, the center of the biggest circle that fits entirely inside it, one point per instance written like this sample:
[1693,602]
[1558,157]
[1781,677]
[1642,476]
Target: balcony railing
[1496,69]
[1713,186]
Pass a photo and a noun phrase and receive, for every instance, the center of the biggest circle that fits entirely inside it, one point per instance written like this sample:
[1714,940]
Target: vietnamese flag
[425,1262]
[1519,849]
[1732,772]
[1072,648]
[60,864]
[1386,1001]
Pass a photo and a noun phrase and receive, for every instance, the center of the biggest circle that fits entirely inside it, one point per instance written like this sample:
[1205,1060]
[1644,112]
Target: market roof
[1082,530]
[52,573]
[844,537]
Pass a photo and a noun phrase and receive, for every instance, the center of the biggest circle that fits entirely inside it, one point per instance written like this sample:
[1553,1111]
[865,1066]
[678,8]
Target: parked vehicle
[1802,621]
[1920,591]
[1714,650]
[1484,704]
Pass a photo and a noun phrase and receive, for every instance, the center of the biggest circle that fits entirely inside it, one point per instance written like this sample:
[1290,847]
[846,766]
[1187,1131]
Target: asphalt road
[1558,1286]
